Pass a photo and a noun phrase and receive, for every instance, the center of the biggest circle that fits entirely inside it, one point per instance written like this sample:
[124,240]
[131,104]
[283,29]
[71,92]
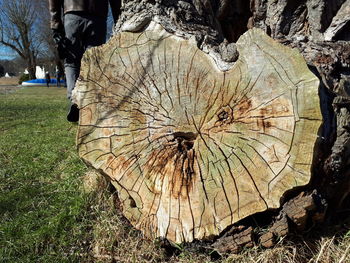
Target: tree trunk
[202,115]
[31,65]
[18,20]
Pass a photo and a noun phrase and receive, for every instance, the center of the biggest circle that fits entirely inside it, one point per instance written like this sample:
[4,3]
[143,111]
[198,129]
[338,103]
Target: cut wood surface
[189,148]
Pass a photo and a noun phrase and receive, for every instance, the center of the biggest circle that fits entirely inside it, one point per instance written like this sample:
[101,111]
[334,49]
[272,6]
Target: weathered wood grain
[189,148]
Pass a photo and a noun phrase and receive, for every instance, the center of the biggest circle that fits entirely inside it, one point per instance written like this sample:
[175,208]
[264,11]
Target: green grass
[43,209]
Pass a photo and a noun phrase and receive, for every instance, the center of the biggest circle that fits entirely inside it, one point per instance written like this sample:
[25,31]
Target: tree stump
[192,148]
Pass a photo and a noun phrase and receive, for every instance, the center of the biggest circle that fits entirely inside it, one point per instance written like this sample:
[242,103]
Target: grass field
[54,209]
[40,200]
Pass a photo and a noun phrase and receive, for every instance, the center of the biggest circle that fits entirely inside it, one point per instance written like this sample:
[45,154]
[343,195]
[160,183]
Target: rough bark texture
[317,28]
[235,239]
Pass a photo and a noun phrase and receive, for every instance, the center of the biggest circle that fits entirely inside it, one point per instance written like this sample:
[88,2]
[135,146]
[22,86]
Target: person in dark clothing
[84,26]
[58,78]
[47,78]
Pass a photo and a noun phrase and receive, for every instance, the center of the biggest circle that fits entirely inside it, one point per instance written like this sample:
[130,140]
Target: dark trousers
[82,31]
[58,82]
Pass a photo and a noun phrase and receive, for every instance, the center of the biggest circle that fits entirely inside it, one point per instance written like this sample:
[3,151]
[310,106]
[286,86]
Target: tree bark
[31,62]
[200,123]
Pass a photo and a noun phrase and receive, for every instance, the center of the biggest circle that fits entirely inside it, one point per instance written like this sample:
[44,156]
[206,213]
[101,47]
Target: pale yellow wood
[190,149]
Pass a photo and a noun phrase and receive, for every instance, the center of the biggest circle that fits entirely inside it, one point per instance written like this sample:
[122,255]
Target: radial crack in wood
[189,148]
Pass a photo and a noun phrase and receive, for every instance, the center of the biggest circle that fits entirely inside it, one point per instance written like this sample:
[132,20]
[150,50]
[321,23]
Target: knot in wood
[226,116]
[185,140]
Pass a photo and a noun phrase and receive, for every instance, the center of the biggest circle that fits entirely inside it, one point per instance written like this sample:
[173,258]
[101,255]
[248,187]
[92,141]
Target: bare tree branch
[18,30]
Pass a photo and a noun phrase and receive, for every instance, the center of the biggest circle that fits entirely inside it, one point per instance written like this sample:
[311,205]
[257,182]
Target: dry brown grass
[114,240]
[9,81]
[322,250]
[8,85]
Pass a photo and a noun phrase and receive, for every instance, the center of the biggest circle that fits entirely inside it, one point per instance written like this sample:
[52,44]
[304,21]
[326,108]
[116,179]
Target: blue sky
[6,53]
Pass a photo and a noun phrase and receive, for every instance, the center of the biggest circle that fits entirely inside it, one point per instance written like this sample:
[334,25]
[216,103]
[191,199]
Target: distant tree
[2,71]
[9,59]
[14,66]
[18,30]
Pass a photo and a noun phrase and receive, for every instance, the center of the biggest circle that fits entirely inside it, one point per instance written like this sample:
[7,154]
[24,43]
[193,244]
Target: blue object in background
[41,82]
